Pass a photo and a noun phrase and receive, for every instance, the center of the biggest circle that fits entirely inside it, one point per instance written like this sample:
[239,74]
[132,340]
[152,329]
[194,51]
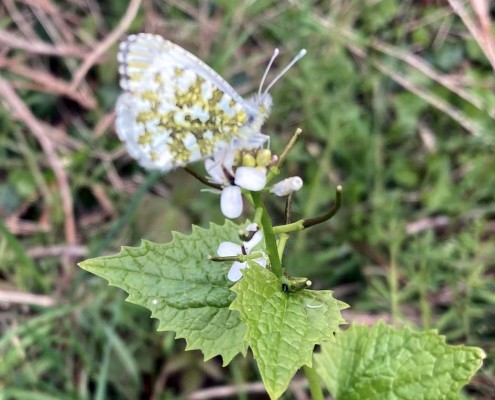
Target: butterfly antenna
[299,55]
[276,52]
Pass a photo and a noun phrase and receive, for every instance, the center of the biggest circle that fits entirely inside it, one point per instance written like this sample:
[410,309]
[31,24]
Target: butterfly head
[261,105]
[250,133]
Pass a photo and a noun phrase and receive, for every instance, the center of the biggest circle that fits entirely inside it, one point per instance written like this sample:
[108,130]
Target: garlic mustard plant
[226,288]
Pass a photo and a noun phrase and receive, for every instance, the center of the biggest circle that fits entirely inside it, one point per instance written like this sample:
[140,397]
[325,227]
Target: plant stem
[329,214]
[423,300]
[282,240]
[306,223]
[275,170]
[394,284]
[293,227]
[314,383]
[288,208]
[201,178]
[258,213]
[269,236]
[240,257]
[289,147]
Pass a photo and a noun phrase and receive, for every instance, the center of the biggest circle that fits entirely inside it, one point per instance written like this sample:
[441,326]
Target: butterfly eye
[285,288]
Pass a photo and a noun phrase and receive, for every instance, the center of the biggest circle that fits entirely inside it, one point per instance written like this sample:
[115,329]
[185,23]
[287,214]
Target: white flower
[221,172]
[287,186]
[229,249]
[251,178]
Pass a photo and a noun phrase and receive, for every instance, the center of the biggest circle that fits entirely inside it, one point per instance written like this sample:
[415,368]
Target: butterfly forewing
[175,109]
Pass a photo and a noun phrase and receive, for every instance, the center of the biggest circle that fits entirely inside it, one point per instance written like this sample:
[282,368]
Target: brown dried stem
[12,297]
[13,40]
[97,53]
[38,129]
[49,83]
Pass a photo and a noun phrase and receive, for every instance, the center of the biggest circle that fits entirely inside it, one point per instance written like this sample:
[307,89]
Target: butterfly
[176,110]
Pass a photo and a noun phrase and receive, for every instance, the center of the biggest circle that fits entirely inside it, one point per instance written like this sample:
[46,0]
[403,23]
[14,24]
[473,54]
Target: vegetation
[396,102]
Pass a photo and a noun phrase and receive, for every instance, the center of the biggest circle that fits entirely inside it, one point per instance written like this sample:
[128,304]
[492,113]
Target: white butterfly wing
[141,50]
[175,109]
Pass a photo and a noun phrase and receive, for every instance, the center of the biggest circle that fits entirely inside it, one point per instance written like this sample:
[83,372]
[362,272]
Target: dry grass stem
[12,297]
[221,392]
[430,98]
[419,64]
[104,124]
[46,82]
[97,53]
[425,224]
[12,40]
[480,30]
[74,251]
[23,113]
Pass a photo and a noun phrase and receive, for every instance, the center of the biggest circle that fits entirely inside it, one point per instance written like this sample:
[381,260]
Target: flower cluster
[229,249]
[234,170]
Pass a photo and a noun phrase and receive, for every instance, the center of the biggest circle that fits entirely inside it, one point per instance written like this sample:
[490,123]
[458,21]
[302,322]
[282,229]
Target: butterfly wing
[175,109]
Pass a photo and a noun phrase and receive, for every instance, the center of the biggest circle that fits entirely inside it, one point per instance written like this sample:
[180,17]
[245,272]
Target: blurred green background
[396,102]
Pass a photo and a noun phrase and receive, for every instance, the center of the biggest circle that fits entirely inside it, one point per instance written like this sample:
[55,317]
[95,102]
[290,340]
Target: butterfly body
[176,110]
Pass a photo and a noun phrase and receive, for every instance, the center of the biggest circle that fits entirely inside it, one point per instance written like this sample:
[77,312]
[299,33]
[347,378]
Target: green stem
[240,257]
[295,226]
[423,299]
[314,383]
[269,236]
[329,214]
[306,223]
[275,170]
[257,215]
[248,197]
[282,240]
[394,284]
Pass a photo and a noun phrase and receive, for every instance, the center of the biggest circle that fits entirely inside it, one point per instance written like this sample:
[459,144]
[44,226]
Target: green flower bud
[263,157]
[248,160]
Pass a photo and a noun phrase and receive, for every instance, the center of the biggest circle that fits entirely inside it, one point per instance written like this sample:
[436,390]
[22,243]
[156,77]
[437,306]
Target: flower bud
[287,186]
[263,157]
[248,160]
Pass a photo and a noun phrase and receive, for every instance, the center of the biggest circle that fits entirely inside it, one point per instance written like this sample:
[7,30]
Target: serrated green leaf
[283,327]
[383,362]
[185,291]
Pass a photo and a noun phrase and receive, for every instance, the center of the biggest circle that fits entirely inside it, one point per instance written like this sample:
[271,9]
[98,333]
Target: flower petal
[228,157]
[249,245]
[229,249]
[235,271]
[253,227]
[214,169]
[231,201]
[250,178]
[261,261]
